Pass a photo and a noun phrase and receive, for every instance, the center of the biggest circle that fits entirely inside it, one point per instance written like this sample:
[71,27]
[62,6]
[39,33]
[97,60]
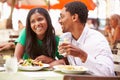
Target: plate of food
[31,65]
[58,67]
[71,69]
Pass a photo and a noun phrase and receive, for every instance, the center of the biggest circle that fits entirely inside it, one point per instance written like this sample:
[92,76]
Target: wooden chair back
[89,77]
[13,38]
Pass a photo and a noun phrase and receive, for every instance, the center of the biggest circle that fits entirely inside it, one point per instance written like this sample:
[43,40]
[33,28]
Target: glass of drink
[11,65]
[65,38]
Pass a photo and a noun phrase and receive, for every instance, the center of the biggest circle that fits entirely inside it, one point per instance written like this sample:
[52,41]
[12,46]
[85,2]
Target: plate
[2,68]
[32,68]
[71,69]
[58,67]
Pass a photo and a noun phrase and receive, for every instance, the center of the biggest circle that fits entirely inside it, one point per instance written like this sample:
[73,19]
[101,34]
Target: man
[88,47]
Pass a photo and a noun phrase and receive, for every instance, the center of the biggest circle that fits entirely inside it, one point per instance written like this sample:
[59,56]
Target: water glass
[11,65]
[65,38]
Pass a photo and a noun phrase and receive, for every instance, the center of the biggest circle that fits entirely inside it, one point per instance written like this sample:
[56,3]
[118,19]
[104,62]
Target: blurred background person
[114,34]
[107,29]
[20,25]
[90,24]
[7,46]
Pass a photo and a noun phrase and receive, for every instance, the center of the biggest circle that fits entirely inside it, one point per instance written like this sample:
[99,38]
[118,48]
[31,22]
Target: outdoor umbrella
[89,3]
[49,4]
[28,4]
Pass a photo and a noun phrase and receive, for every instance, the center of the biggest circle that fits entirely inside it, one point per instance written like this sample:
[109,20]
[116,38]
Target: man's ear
[75,17]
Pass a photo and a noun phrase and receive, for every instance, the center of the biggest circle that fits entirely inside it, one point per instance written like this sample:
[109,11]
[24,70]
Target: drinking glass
[65,38]
[11,65]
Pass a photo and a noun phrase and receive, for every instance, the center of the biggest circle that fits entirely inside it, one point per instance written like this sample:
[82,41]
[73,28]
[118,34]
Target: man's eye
[61,17]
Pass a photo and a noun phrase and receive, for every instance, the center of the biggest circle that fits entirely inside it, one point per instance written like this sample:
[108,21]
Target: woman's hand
[20,61]
[57,62]
[44,59]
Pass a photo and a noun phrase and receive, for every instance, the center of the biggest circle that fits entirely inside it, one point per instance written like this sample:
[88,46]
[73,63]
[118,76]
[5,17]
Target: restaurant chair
[117,69]
[114,51]
[116,47]
[116,59]
[89,77]
[117,73]
[13,38]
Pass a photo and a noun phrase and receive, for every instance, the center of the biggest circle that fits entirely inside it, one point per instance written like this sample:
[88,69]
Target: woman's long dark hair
[48,47]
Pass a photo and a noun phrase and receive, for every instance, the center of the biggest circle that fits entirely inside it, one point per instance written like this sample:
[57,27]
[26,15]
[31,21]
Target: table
[44,75]
[35,75]
[38,75]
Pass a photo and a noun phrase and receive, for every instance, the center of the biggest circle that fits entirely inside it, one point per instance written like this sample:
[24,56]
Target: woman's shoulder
[23,31]
[22,37]
[57,37]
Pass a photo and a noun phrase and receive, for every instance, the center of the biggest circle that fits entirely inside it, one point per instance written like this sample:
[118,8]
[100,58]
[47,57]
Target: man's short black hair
[77,7]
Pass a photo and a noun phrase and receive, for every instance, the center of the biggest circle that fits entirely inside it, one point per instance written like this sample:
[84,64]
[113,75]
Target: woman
[114,35]
[38,40]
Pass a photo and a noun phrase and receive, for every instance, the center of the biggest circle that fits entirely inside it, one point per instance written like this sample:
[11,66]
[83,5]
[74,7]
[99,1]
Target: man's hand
[70,49]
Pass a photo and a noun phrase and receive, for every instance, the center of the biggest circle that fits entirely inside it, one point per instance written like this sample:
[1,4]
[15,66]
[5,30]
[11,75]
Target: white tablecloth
[39,75]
